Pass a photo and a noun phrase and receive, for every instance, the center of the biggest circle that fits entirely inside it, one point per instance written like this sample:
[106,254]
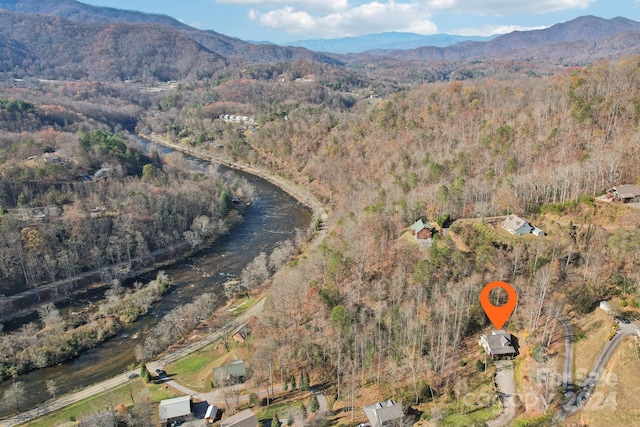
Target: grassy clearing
[113,398]
[614,401]
[283,409]
[477,417]
[244,306]
[195,370]
[594,327]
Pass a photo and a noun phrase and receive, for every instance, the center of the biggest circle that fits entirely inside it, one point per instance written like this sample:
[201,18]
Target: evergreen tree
[275,421]
[144,373]
[301,382]
[314,403]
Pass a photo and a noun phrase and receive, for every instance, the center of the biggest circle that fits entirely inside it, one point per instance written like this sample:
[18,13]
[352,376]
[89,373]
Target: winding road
[579,399]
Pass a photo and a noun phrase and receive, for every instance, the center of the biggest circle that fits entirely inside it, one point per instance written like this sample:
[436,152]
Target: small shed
[536,231]
[606,307]
[211,414]
[240,334]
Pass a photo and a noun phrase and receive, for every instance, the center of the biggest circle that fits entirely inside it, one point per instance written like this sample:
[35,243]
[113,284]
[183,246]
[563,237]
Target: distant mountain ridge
[81,12]
[383,42]
[66,39]
[582,39]
[212,41]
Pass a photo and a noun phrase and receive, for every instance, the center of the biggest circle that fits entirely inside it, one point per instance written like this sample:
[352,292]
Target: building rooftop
[384,413]
[498,343]
[174,408]
[244,418]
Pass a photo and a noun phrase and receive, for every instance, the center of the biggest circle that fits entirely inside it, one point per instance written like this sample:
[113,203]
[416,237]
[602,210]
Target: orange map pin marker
[498,315]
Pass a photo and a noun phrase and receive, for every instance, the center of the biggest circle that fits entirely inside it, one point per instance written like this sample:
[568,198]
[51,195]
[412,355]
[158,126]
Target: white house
[516,225]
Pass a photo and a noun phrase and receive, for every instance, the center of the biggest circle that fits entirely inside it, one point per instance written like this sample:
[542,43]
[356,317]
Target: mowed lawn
[614,401]
[195,371]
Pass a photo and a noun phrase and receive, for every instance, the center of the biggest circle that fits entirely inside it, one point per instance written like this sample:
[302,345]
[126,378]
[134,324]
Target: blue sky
[280,21]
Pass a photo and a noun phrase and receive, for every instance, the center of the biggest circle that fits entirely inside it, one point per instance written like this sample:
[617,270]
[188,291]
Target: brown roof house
[240,334]
[499,344]
[245,418]
[387,413]
[176,409]
[624,193]
[232,373]
[423,232]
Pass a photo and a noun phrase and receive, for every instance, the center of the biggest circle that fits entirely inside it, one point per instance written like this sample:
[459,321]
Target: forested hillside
[478,132]
[380,310]
[74,200]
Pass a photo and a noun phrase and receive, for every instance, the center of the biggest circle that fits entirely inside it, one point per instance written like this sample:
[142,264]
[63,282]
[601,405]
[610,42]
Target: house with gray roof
[386,413]
[499,343]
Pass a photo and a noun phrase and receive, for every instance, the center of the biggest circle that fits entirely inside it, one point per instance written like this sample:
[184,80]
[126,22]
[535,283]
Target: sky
[282,21]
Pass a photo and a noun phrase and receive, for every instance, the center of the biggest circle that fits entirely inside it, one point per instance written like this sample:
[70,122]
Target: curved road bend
[581,396]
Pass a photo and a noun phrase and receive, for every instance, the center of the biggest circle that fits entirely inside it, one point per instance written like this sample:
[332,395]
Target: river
[272,217]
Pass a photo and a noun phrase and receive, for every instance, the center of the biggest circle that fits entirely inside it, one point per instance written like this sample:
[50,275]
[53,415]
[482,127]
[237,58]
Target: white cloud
[367,18]
[490,30]
[506,7]
[320,6]
[340,18]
